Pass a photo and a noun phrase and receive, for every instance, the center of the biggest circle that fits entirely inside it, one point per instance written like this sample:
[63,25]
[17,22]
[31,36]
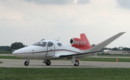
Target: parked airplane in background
[50,49]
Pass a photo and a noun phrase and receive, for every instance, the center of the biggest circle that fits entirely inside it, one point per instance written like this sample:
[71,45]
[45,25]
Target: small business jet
[50,49]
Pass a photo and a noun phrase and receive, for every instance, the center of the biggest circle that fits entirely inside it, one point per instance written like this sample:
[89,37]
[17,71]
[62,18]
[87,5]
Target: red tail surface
[81,43]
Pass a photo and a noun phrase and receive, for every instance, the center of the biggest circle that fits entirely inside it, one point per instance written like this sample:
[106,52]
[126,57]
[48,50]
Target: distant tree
[5,48]
[126,49]
[115,48]
[17,45]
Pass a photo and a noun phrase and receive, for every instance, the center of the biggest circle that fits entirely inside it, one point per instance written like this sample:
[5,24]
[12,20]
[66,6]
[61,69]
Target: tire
[26,63]
[76,63]
[48,62]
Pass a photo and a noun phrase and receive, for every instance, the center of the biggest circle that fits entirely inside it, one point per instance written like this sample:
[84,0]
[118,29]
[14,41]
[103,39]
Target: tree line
[12,47]
[115,48]
[118,49]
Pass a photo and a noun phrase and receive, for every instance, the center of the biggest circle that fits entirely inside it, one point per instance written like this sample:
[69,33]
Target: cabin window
[59,44]
[50,44]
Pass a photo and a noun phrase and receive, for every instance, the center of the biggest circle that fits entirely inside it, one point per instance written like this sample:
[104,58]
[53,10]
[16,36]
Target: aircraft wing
[98,47]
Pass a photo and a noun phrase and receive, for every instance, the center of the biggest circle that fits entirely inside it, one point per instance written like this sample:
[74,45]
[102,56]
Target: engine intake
[80,43]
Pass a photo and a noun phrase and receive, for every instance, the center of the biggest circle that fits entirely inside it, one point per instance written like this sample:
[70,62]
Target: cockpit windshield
[40,44]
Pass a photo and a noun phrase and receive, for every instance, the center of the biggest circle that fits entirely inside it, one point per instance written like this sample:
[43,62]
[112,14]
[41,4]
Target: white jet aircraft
[50,49]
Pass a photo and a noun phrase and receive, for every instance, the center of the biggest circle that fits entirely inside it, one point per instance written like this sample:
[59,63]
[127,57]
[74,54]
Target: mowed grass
[5,52]
[107,59]
[9,57]
[64,74]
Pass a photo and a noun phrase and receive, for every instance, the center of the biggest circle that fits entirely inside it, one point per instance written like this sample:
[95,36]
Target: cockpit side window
[40,44]
[50,44]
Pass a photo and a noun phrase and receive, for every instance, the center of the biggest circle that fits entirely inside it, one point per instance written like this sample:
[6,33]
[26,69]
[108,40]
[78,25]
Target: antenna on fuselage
[42,39]
[58,38]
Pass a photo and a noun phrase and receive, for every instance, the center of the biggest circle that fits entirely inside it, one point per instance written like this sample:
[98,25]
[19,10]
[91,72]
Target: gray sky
[29,21]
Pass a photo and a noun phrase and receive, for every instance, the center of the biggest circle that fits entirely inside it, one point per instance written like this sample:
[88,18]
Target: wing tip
[122,32]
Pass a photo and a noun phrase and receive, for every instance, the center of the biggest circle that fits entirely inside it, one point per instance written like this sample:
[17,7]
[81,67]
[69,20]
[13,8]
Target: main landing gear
[75,61]
[47,62]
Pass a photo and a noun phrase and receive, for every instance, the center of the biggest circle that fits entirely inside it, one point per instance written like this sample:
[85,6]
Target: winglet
[101,45]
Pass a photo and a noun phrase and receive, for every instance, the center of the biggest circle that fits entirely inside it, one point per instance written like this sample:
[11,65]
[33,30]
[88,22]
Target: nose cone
[16,52]
[23,52]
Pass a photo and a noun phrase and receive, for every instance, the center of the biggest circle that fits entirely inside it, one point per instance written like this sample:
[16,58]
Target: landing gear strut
[26,63]
[47,62]
[75,61]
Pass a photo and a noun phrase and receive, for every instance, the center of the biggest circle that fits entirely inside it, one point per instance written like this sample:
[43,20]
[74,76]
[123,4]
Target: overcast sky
[29,21]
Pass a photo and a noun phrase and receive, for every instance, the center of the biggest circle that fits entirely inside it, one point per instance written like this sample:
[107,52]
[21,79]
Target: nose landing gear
[26,63]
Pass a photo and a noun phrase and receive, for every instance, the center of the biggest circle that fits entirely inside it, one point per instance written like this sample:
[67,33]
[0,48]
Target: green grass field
[107,59]
[5,52]
[64,74]
[9,57]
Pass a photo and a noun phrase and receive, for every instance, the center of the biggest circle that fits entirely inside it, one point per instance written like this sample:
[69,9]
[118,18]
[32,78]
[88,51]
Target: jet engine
[81,43]
[78,43]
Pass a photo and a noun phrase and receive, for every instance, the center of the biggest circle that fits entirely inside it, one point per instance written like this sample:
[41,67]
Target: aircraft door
[50,49]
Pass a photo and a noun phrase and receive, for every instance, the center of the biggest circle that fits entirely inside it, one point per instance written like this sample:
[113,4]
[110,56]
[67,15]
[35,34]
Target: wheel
[48,62]
[26,63]
[76,63]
